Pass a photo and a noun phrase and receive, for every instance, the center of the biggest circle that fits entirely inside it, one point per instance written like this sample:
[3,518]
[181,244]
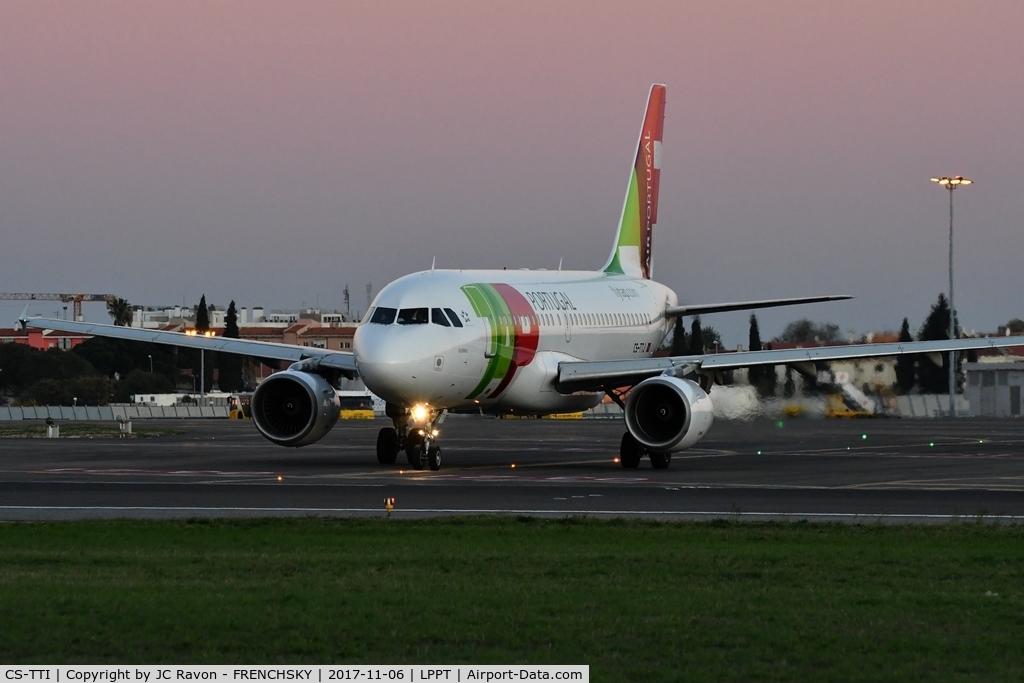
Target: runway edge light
[389,505]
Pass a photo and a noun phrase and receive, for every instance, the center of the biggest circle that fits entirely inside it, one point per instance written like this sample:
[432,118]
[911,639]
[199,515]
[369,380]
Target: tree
[121,311]
[1015,326]
[754,373]
[696,338]
[712,339]
[140,382]
[679,340]
[230,364]
[789,388]
[769,380]
[202,316]
[932,378]
[905,371]
[23,366]
[121,356]
[805,331]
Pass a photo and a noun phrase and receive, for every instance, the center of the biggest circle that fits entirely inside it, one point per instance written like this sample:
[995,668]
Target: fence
[109,414]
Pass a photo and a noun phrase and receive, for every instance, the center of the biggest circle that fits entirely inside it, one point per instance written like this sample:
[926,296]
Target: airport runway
[865,471]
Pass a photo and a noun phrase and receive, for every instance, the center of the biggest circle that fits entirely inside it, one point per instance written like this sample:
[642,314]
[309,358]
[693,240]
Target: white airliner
[528,342]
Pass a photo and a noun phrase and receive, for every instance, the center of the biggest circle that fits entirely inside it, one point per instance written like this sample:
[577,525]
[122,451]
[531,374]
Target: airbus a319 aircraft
[523,342]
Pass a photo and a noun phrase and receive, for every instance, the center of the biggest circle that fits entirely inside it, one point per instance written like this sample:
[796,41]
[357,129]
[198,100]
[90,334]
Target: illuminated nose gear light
[420,413]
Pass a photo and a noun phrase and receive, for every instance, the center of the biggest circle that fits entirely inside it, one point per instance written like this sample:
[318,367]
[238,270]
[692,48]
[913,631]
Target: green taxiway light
[863,436]
[759,452]
[931,443]
[780,424]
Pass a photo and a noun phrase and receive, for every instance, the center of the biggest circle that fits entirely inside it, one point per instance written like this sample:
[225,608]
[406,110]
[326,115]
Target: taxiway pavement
[861,471]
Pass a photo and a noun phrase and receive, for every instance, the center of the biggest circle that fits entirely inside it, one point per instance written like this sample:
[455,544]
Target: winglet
[633,242]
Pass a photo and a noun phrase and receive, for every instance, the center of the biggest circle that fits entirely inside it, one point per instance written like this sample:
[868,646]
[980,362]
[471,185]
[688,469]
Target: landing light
[420,413]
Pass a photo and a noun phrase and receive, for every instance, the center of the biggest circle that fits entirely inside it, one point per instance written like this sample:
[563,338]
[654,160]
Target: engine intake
[294,408]
[668,414]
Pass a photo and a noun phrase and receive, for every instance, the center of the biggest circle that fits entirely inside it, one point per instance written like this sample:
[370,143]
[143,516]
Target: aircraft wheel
[387,446]
[414,450]
[629,452]
[661,461]
[434,457]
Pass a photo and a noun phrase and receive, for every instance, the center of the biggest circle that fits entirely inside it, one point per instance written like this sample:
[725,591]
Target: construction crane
[75,299]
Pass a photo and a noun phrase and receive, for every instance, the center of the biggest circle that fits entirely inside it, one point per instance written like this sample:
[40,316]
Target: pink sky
[272,152]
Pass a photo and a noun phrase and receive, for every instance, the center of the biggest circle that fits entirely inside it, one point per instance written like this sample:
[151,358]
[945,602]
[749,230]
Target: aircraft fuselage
[492,339]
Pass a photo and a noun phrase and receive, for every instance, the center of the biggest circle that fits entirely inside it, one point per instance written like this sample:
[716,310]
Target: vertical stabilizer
[633,243]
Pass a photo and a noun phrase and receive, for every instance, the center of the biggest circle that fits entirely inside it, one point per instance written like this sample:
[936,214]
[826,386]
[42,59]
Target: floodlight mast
[951,184]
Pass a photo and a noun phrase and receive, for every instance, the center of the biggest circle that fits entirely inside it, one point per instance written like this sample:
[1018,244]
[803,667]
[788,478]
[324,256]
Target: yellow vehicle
[238,407]
[839,407]
[357,407]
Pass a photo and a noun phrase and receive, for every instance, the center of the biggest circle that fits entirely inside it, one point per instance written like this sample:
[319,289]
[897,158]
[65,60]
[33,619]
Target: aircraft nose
[392,362]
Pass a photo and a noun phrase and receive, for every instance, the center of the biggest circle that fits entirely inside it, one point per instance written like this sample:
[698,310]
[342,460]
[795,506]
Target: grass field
[637,601]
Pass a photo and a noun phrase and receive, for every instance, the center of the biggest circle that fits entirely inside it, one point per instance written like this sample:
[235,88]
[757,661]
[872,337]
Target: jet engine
[294,408]
[667,414]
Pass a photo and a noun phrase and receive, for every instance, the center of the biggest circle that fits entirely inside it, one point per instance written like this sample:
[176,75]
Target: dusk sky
[273,152]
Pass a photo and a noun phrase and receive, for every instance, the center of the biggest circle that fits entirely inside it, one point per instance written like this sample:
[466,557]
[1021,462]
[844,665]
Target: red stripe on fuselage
[524,343]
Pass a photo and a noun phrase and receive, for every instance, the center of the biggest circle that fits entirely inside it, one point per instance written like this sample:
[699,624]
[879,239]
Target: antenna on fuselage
[433,263]
[559,262]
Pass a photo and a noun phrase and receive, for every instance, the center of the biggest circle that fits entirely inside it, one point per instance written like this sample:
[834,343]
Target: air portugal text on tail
[633,245]
[530,342]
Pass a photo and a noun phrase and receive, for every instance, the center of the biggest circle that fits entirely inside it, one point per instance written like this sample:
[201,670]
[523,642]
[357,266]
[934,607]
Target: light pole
[951,184]
[202,365]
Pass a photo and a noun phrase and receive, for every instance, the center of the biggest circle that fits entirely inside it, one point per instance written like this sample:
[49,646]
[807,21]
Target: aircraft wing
[701,309]
[593,375]
[270,351]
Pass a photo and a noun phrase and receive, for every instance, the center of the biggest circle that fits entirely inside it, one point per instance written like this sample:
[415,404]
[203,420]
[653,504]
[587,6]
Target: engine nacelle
[668,414]
[294,408]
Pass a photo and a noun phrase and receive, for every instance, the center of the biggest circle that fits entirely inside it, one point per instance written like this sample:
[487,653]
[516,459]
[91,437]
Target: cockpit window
[383,316]
[438,317]
[413,316]
[454,317]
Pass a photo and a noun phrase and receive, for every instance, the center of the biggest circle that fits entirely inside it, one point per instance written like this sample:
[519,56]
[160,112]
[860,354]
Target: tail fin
[632,252]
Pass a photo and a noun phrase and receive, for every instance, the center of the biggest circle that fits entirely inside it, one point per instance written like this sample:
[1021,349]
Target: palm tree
[121,311]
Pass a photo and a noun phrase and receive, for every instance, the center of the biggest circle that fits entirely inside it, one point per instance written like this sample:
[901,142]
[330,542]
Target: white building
[994,389]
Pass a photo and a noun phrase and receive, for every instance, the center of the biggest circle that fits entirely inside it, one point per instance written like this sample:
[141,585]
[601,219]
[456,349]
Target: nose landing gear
[418,442]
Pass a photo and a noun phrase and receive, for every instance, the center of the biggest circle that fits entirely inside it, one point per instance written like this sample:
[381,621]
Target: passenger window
[438,317]
[454,318]
[383,316]
[412,316]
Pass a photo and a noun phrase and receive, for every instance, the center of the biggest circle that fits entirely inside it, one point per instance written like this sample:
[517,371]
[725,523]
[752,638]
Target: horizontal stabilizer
[701,309]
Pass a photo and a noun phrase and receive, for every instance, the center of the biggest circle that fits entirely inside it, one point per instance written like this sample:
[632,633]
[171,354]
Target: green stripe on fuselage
[487,303]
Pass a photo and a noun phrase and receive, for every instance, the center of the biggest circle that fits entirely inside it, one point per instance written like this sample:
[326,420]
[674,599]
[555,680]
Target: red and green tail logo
[634,242]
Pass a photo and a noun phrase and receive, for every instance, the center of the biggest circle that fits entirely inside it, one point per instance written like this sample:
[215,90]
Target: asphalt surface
[888,471]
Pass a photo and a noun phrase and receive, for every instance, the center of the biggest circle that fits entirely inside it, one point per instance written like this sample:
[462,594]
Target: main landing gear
[418,441]
[631,452]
